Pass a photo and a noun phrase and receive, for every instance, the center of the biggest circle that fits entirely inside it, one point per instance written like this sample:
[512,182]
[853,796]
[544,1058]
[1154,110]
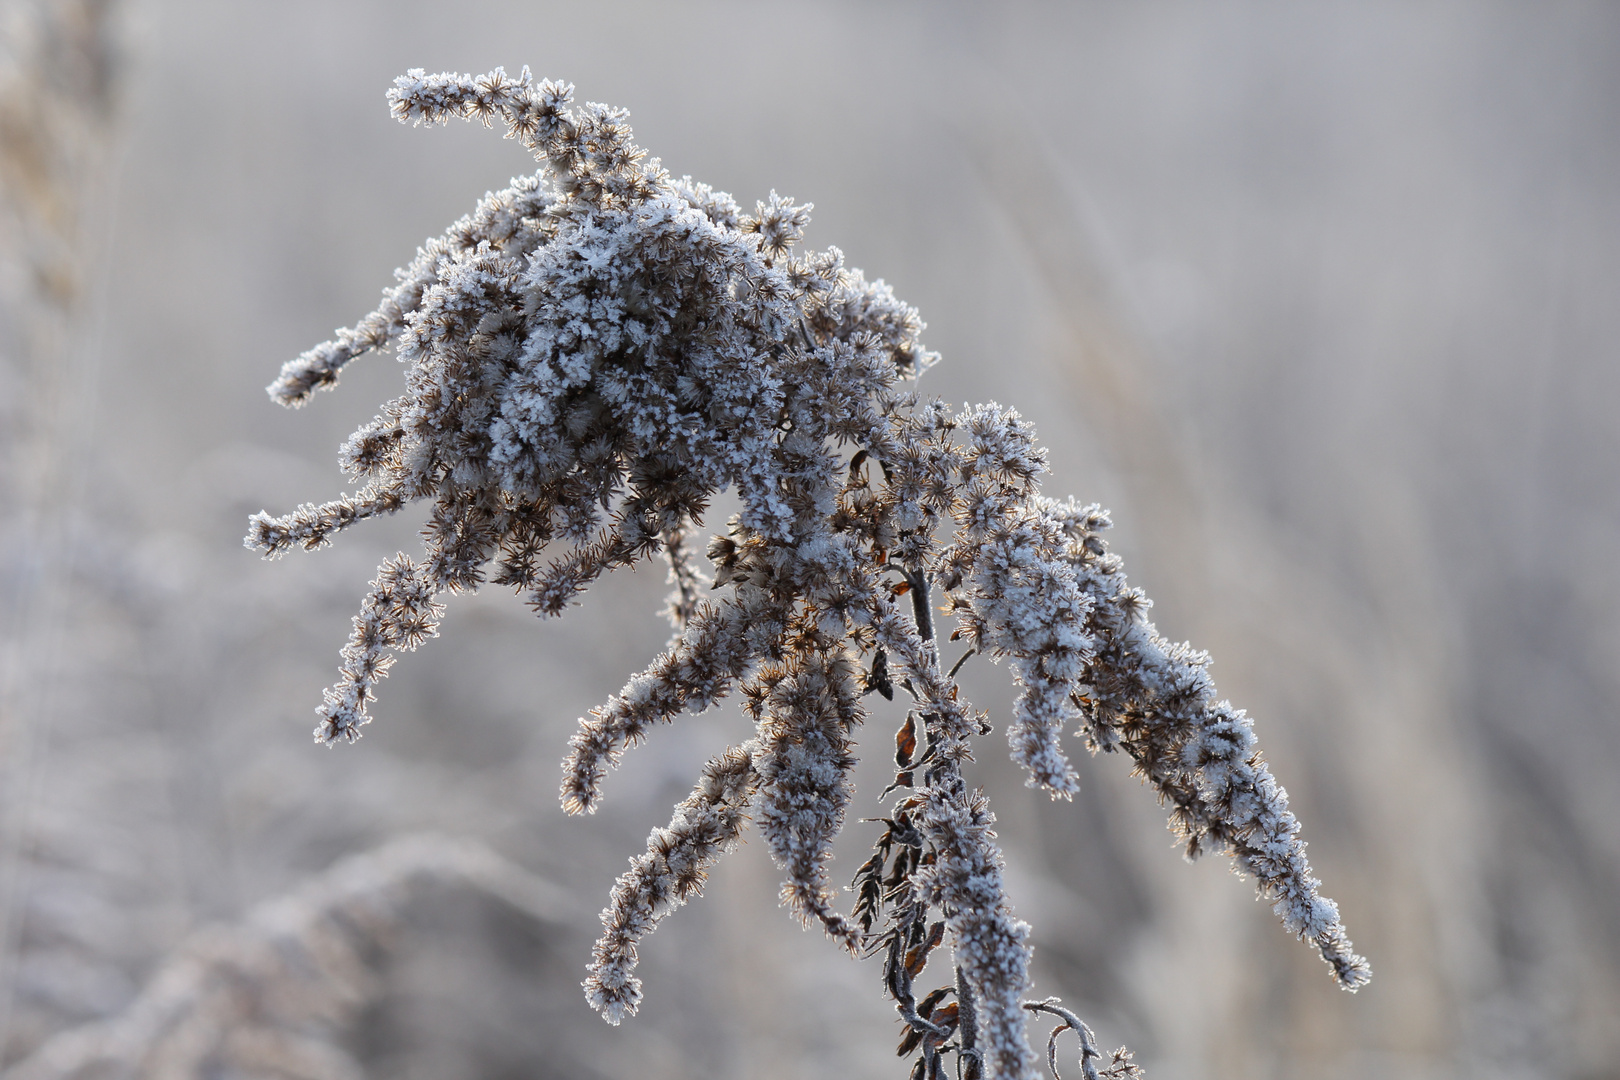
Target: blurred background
[1319,299]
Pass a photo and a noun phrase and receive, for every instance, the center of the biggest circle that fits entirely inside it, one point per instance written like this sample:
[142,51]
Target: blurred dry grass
[1319,299]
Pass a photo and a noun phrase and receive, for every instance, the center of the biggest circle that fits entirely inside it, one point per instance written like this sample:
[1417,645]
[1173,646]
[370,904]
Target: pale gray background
[1319,298]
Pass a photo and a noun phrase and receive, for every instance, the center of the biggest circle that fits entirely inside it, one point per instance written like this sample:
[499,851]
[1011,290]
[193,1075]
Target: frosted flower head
[596,352]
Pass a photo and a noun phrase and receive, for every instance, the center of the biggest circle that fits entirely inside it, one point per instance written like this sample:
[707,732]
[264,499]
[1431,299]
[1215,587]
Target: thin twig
[970,1062]
[1088,1049]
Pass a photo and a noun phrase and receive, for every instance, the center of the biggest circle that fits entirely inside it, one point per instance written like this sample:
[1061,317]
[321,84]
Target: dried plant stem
[971,1061]
[989,944]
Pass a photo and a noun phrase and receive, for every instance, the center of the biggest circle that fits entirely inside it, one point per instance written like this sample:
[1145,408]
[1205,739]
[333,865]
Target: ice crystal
[591,357]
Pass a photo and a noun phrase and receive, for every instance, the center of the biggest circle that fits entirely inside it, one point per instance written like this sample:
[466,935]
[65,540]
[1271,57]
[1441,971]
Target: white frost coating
[1154,699]
[706,825]
[990,943]
[591,357]
[807,710]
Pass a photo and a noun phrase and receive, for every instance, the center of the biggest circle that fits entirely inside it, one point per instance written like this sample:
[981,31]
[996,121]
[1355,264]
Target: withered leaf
[917,958]
[905,742]
[927,1005]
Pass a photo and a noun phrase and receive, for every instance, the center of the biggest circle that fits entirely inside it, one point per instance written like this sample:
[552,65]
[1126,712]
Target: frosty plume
[597,351]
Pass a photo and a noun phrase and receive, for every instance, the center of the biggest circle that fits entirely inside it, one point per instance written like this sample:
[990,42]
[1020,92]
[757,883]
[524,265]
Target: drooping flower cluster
[592,356]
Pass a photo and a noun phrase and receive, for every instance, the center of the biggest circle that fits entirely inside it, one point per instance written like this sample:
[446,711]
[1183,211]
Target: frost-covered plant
[592,356]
